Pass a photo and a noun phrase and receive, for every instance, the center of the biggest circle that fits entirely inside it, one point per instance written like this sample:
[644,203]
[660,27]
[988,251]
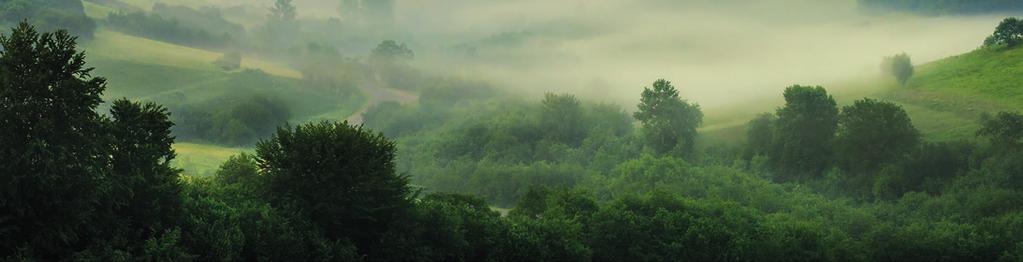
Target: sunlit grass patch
[203,159]
[114,45]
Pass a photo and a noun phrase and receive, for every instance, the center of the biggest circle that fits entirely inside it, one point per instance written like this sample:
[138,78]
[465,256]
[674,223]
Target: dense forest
[468,170]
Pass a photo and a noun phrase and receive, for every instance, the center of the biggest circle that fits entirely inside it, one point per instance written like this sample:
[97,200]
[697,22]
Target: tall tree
[341,176]
[149,189]
[562,119]
[669,123]
[52,152]
[872,133]
[803,132]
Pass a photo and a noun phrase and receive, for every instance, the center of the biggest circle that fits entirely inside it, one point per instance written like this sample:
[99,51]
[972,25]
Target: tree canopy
[669,123]
[804,129]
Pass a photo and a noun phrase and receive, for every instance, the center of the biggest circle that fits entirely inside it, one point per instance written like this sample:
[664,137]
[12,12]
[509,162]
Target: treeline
[814,181]
[944,7]
[48,15]
[181,25]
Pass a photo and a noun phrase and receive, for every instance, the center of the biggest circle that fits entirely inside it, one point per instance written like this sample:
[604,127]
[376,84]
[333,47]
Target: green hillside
[945,97]
[180,77]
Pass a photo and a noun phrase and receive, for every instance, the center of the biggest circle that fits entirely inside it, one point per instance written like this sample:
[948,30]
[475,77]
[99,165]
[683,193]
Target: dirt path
[376,95]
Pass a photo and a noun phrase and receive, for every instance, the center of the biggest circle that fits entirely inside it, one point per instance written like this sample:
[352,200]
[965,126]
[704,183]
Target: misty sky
[715,51]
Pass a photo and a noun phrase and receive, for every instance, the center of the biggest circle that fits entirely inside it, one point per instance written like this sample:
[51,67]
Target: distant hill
[48,15]
[944,7]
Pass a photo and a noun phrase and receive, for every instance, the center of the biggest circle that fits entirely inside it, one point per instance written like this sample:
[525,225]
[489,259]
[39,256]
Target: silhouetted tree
[53,154]
[148,188]
[669,123]
[872,133]
[342,177]
[803,132]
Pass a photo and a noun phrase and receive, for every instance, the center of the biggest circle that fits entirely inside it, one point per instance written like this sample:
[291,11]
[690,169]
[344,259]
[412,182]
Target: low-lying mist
[717,52]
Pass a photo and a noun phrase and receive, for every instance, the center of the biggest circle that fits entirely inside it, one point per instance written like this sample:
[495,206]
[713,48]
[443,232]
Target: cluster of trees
[1009,33]
[501,148]
[48,15]
[944,7]
[75,180]
[236,122]
[849,183]
[810,135]
[156,26]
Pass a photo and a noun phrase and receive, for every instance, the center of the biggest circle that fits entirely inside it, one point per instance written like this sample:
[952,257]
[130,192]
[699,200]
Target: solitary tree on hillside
[872,133]
[899,66]
[803,131]
[669,123]
[1009,33]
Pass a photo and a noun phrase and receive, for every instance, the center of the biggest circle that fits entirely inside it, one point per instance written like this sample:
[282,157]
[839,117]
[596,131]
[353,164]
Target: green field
[114,45]
[173,75]
[201,159]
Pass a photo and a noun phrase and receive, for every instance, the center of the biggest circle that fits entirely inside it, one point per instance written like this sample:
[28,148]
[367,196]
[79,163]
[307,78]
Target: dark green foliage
[669,123]
[53,156]
[663,227]
[804,129]
[1004,129]
[899,66]
[147,188]
[237,122]
[342,177]
[872,133]
[166,29]
[1009,33]
[448,227]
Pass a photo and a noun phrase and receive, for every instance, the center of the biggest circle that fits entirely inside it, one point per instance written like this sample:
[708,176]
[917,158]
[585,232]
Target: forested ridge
[92,180]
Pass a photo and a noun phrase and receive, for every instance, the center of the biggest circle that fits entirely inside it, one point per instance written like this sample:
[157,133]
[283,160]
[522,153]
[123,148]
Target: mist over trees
[468,169]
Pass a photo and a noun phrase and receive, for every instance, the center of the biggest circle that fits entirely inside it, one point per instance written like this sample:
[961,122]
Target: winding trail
[376,95]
